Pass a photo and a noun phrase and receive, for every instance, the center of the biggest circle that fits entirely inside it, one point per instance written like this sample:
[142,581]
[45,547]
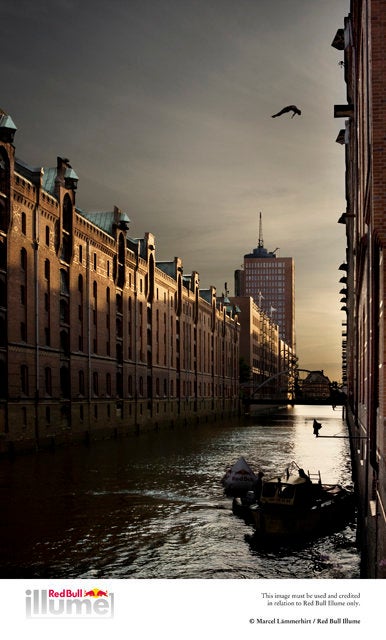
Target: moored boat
[238,479]
[292,506]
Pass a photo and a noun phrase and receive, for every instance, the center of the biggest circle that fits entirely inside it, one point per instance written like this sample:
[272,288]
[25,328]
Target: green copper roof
[6,122]
[105,220]
[206,294]
[49,177]
[168,267]
[70,173]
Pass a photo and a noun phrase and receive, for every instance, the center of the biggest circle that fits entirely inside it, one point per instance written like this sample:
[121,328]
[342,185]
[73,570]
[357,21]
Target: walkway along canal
[153,506]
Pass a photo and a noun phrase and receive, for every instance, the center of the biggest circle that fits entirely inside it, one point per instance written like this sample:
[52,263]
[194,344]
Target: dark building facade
[361,42]
[316,386]
[97,338]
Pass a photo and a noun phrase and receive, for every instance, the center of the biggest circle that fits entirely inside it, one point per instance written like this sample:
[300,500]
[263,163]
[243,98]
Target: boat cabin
[294,491]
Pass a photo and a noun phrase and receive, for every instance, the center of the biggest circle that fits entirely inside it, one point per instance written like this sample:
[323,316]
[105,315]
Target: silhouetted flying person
[291,107]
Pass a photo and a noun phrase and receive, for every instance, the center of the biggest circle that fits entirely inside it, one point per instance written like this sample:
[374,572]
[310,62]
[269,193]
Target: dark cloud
[163,107]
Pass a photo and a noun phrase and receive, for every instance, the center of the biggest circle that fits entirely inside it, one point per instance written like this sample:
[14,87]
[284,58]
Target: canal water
[153,506]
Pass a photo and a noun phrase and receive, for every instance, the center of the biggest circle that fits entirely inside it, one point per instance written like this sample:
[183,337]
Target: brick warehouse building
[270,359]
[362,43]
[97,338]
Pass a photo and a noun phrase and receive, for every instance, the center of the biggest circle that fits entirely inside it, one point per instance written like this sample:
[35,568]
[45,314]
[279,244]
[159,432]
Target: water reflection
[153,507]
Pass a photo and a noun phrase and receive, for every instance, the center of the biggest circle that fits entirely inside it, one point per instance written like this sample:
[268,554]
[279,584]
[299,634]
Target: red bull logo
[69,603]
[243,472]
[96,593]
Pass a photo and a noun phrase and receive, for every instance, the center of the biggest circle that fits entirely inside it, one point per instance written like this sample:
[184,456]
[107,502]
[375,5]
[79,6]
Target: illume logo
[68,603]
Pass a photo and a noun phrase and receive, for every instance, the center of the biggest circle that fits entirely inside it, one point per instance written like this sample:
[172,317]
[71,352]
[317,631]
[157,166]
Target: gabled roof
[206,294]
[138,246]
[34,174]
[169,267]
[105,220]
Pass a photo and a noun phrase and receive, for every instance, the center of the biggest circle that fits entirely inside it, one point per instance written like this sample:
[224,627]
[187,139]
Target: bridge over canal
[258,395]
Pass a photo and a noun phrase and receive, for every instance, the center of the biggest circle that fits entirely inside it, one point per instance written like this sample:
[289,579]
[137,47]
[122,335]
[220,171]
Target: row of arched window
[161,387]
[64,381]
[4,189]
[156,325]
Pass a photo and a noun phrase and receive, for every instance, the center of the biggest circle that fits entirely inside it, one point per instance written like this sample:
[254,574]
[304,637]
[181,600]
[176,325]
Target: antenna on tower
[261,241]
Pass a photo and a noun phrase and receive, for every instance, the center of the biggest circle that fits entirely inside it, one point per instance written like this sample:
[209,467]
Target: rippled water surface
[153,506]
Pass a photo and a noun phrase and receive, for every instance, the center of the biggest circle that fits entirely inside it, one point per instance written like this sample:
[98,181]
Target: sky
[164,109]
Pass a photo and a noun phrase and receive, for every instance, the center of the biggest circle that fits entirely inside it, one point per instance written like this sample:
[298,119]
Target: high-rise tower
[270,281]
